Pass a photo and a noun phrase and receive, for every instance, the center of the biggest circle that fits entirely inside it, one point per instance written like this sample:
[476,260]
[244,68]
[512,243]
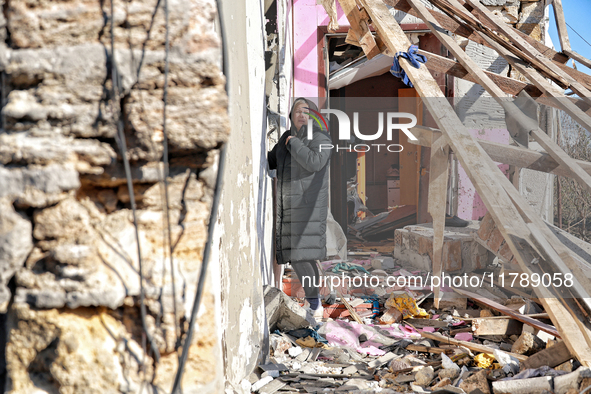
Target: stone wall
[69,282]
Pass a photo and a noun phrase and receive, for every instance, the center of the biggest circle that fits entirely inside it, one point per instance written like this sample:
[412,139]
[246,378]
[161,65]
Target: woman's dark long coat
[302,194]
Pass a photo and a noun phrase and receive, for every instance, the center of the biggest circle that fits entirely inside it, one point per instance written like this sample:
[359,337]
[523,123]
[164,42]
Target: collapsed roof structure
[535,248]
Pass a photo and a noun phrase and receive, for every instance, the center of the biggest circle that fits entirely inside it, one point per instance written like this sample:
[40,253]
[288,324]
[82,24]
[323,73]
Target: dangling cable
[176,388]
[123,147]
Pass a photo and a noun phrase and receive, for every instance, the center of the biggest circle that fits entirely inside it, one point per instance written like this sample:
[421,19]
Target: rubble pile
[387,336]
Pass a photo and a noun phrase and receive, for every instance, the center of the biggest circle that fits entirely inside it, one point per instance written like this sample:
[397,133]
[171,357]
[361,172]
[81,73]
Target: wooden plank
[354,314]
[359,28]
[552,356]
[562,158]
[509,312]
[468,345]
[552,91]
[451,67]
[449,24]
[579,58]
[503,327]
[409,164]
[561,25]
[438,176]
[491,30]
[534,54]
[508,85]
[533,316]
[450,43]
[482,171]
[508,154]
[426,349]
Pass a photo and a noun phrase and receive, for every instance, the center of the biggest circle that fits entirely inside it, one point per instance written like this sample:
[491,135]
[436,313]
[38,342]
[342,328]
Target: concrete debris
[523,386]
[284,313]
[528,344]
[475,382]
[424,376]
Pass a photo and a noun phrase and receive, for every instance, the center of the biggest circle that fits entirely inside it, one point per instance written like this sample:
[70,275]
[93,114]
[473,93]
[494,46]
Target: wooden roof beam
[510,86]
[561,25]
[508,154]
[528,49]
[454,27]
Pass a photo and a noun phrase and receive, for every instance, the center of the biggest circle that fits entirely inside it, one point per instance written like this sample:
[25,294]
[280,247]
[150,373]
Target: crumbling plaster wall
[485,118]
[243,236]
[68,253]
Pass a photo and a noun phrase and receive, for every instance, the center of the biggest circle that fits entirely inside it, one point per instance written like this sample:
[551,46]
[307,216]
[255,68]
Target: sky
[577,14]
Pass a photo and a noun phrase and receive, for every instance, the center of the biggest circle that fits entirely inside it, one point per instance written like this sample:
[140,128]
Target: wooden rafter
[359,30]
[508,154]
[534,55]
[438,177]
[455,27]
[561,25]
[508,85]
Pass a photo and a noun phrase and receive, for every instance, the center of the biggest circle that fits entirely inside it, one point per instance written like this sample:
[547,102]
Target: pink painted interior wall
[470,205]
[307,17]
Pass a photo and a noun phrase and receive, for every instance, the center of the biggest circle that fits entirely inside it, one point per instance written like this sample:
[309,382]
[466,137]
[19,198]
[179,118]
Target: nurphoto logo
[345,129]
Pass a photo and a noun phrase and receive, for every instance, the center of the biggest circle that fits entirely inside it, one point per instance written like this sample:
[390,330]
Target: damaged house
[137,205]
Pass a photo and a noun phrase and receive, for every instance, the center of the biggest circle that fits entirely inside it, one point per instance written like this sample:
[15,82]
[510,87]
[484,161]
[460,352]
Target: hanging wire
[165,164]
[176,388]
[577,33]
[115,97]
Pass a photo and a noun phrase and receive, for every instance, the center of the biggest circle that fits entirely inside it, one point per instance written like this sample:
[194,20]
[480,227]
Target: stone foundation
[461,253]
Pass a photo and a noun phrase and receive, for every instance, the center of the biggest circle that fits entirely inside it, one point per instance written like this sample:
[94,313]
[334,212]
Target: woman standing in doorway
[302,198]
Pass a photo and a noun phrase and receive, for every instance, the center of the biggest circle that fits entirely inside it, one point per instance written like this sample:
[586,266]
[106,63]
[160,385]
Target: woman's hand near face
[287,140]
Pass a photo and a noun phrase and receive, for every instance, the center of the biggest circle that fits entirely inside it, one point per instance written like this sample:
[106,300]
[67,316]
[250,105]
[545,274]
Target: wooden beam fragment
[532,52]
[552,91]
[562,158]
[503,327]
[579,58]
[508,85]
[451,25]
[426,349]
[561,25]
[533,316]
[354,314]
[454,27]
[552,356]
[438,175]
[468,345]
[360,28]
[508,154]
[509,312]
